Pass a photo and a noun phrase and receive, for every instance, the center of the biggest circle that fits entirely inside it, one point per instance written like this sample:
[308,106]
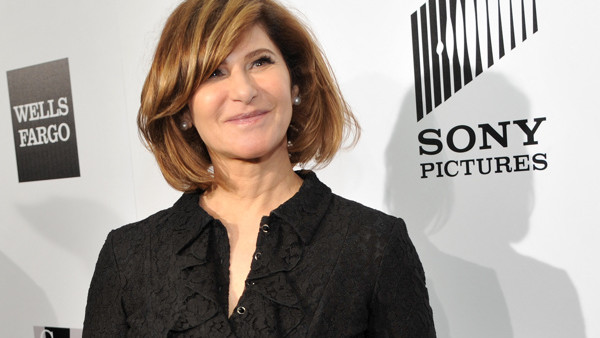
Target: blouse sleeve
[400,303]
[104,315]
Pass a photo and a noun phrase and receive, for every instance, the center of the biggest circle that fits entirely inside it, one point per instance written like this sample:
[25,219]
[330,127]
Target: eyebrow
[253,54]
[257,52]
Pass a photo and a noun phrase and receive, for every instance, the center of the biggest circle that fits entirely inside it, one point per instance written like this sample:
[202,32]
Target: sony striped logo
[453,40]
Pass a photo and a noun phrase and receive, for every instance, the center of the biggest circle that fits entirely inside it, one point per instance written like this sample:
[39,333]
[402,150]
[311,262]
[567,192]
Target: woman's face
[244,109]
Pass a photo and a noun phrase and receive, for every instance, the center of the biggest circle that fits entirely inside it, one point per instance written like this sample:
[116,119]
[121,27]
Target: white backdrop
[506,255]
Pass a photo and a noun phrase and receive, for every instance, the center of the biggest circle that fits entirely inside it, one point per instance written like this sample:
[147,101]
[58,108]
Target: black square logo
[43,121]
[55,332]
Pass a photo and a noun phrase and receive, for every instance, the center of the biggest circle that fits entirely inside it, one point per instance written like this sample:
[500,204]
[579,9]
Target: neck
[256,186]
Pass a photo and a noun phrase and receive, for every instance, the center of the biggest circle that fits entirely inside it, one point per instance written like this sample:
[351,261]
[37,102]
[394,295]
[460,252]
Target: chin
[254,156]
[256,153]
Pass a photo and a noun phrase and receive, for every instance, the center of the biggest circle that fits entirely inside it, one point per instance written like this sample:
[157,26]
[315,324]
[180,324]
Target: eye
[263,60]
[216,73]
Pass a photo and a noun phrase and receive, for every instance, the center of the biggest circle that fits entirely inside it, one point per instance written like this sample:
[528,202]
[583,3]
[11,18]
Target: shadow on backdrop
[464,227]
[78,225]
[23,301]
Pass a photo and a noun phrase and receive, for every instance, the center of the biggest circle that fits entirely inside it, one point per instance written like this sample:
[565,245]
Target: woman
[238,94]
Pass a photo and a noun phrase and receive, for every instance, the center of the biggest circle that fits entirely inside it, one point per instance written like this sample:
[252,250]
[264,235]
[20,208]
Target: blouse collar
[303,212]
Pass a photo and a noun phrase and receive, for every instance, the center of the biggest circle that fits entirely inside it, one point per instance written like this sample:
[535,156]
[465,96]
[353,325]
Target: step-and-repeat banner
[479,129]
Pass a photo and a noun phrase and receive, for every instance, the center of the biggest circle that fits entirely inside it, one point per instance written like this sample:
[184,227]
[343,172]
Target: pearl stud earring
[297,100]
[185,125]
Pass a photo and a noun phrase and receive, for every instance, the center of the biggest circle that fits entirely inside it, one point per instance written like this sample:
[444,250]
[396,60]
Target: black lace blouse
[324,266]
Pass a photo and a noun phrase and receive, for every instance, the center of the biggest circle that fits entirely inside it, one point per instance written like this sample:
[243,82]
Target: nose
[242,87]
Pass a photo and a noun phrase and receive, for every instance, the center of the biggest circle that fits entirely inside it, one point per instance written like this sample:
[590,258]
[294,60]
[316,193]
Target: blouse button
[265,228]
[257,255]
[241,310]
[250,283]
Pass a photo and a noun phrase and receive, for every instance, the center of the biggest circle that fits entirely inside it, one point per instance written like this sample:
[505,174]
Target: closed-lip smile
[247,117]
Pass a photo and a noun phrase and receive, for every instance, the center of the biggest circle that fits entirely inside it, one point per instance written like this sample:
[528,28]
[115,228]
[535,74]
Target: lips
[247,117]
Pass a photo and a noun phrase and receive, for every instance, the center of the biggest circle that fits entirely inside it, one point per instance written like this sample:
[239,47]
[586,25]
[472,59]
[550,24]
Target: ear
[295,91]
[187,116]
[185,120]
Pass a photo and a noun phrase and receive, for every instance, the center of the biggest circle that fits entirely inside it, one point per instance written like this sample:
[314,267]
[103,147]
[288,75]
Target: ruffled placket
[198,310]
[270,305]
[274,304]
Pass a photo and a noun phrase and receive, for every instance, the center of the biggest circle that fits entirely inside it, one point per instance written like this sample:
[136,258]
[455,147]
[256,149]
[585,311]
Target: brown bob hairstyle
[197,37]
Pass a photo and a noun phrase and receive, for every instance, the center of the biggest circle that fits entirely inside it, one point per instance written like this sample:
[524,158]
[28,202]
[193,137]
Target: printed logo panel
[454,41]
[43,121]
[55,332]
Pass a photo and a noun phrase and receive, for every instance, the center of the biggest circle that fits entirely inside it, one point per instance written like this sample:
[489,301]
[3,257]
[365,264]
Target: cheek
[276,83]
[283,96]
[204,106]
[201,118]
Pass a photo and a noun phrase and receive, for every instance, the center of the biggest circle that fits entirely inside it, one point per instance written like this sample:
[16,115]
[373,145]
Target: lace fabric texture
[324,266]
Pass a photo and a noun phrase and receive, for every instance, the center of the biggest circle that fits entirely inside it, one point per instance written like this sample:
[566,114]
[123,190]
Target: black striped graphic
[451,39]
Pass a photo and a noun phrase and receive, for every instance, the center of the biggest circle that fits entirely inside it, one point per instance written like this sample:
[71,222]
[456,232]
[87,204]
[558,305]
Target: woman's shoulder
[363,218]
[162,221]
[360,232]
[344,214]
[143,226]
